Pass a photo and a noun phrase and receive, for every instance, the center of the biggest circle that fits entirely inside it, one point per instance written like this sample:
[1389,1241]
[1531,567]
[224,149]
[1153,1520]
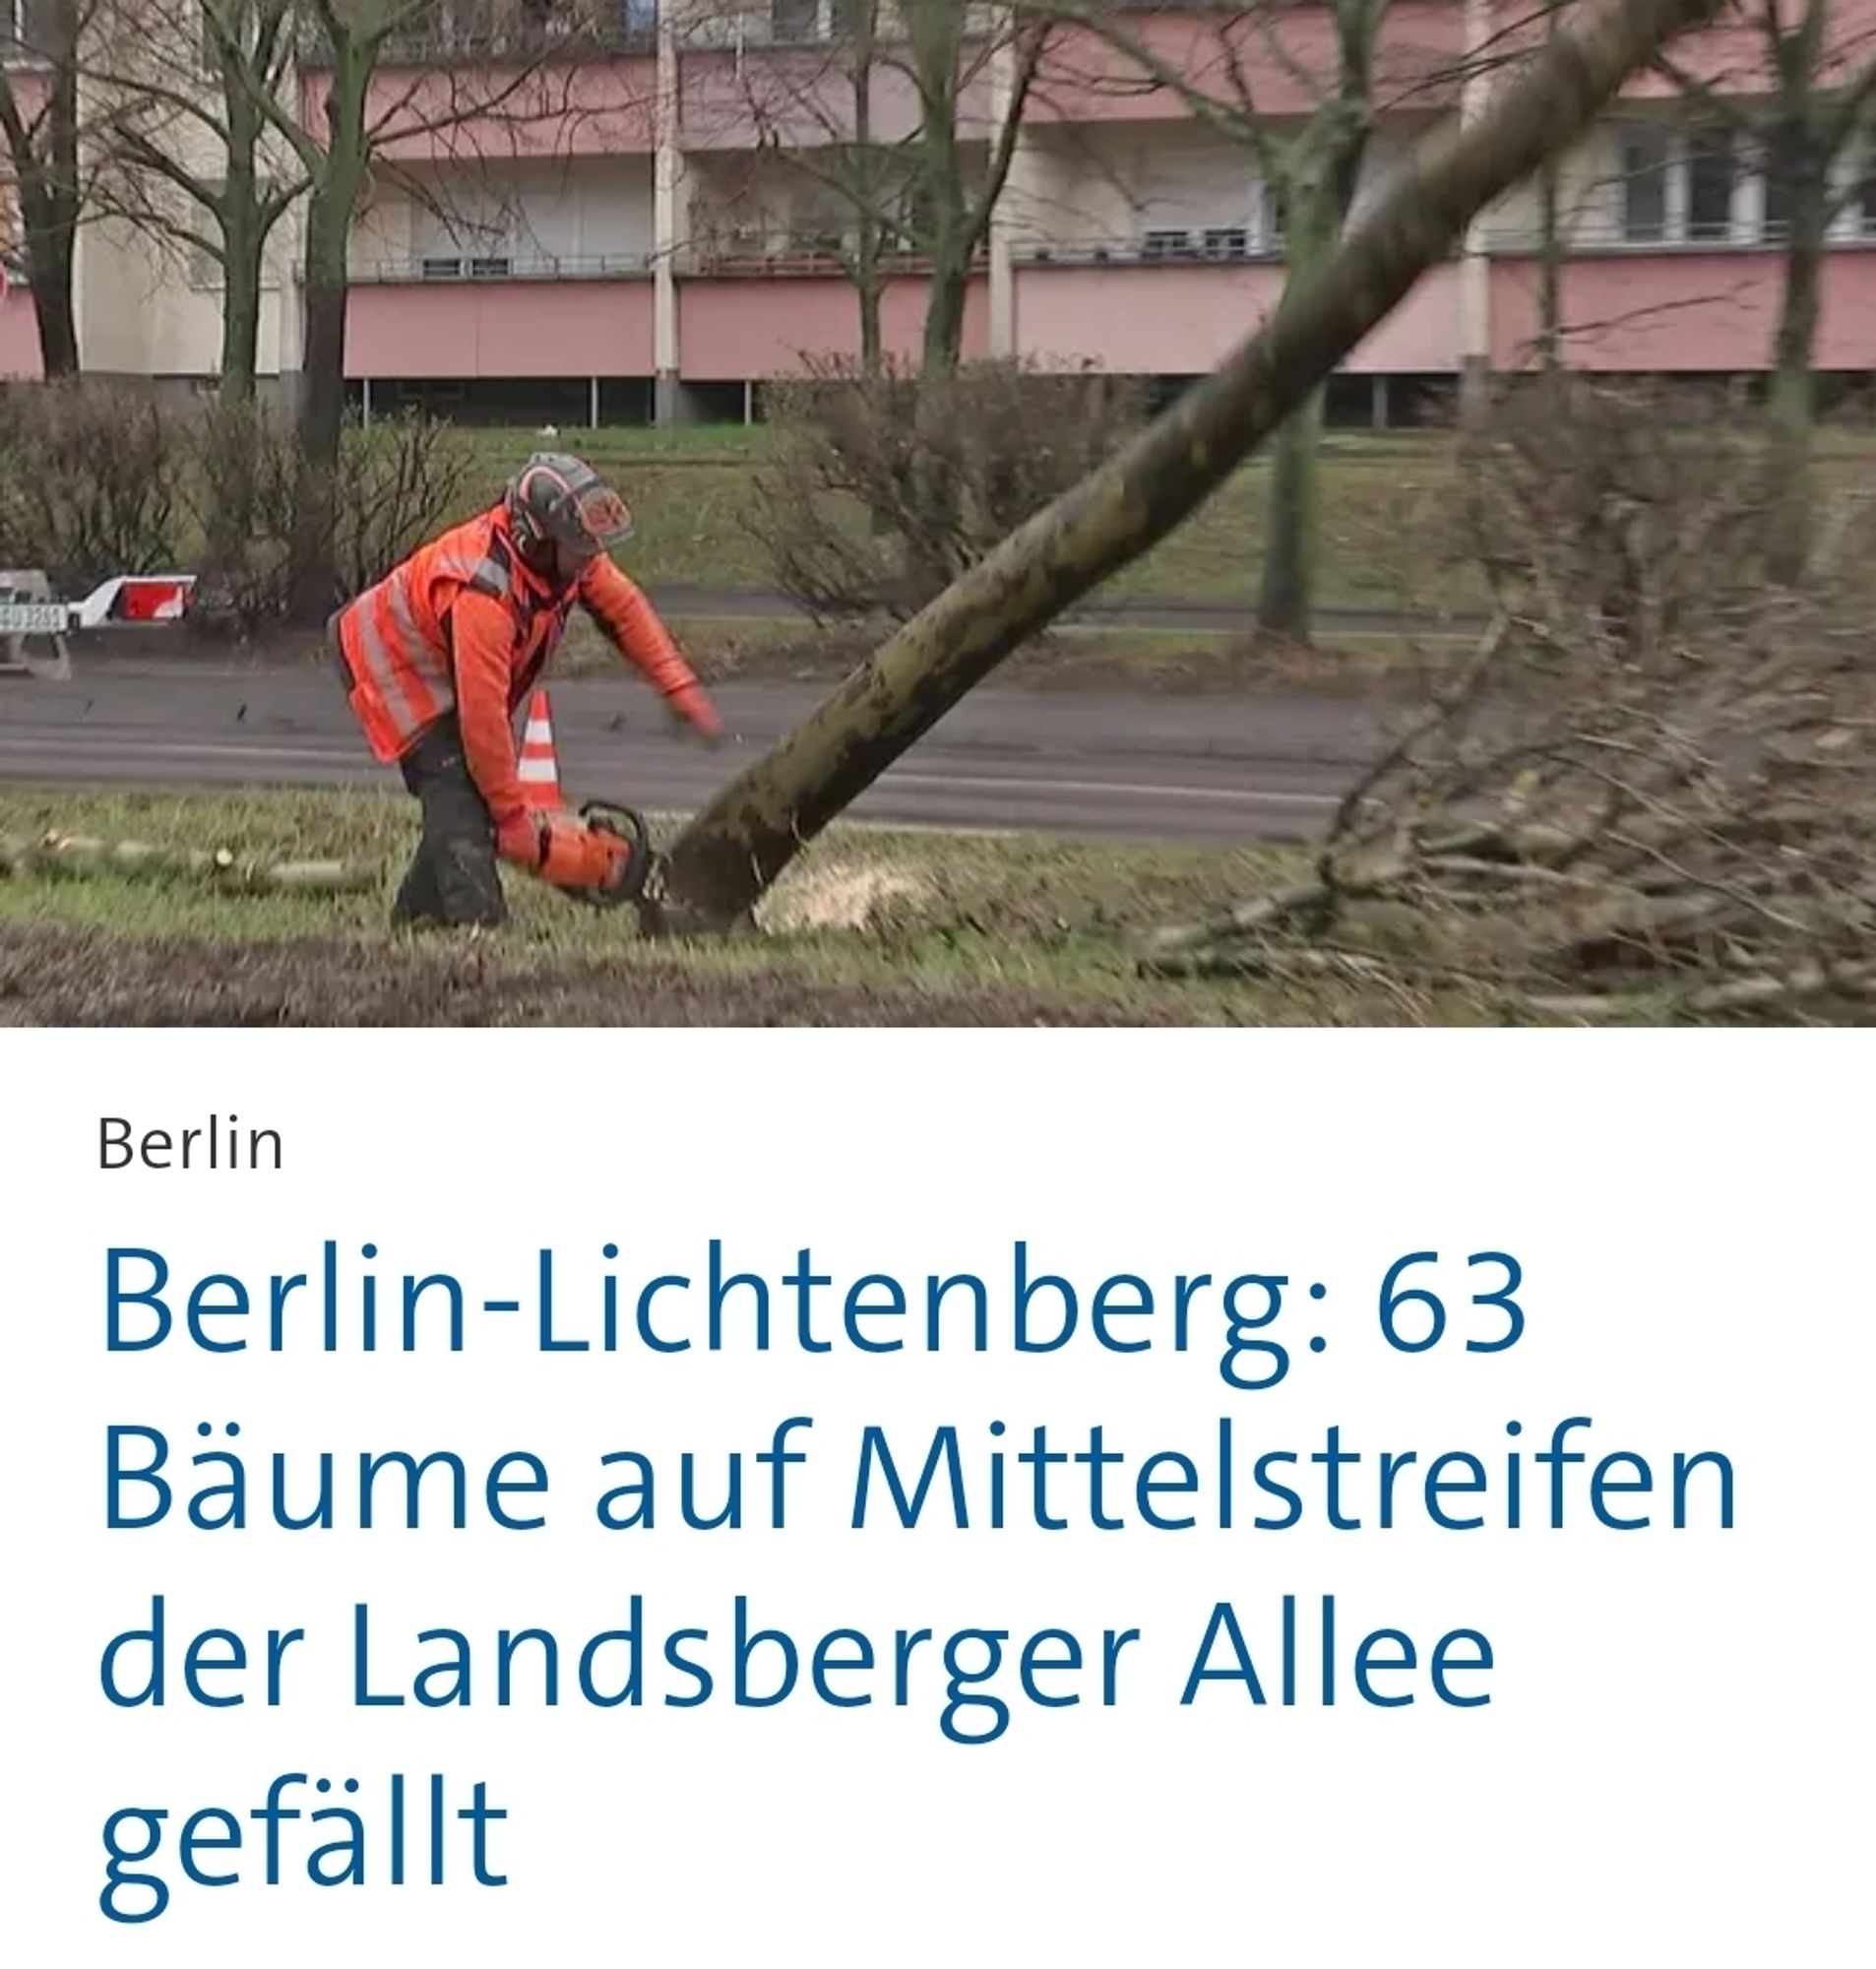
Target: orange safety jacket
[466,624]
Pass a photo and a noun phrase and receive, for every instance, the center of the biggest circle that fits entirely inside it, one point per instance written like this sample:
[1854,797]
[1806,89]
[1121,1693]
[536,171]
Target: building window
[1166,243]
[1711,173]
[1227,242]
[1644,184]
[795,20]
[1273,210]
[638,18]
[1774,221]
[36,26]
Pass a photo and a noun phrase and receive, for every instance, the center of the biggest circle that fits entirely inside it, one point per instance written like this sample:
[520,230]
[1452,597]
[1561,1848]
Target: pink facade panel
[801,97]
[732,329]
[1681,312]
[601,107]
[1180,321]
[1274,59]
[19,337]
[518,328]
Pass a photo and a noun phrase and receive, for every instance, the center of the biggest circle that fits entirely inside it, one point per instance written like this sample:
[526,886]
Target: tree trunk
[44,154]
[244,243]
[1793,393]
[1286,593]
[49,244]
[936,30]
[871,287]
[1549,271]
[867,282]
[945,304]
[729,853]
[241,303]
[322,407]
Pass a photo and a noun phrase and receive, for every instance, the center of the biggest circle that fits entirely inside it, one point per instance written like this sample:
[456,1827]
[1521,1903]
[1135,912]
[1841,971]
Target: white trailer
[29,611]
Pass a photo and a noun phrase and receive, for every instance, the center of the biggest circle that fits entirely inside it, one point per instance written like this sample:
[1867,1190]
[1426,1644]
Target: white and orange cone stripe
[539,768]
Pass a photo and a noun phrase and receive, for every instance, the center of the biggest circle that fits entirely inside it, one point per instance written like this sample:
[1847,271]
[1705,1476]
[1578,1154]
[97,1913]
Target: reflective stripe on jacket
[397,640]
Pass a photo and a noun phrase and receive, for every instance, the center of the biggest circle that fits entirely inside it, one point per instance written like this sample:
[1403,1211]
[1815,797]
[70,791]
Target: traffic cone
[539,768]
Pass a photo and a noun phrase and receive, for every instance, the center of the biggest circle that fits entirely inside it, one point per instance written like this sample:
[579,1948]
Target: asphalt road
[1189,768]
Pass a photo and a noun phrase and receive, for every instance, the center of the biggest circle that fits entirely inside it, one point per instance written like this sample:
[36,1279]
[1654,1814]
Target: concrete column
[1002,268]
[1475,267]
[665,165]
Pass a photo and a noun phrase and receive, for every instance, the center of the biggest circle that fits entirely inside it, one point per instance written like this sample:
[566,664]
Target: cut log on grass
[83,854]
[736,846]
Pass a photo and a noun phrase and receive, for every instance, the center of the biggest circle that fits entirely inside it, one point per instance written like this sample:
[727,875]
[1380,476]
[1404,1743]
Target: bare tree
[729,855]
[39,117]
[363,116]
[884,122]
[1309,168]
[1819,109]
[192,146]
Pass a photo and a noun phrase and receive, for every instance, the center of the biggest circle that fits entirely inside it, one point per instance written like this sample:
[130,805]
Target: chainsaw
[628,825]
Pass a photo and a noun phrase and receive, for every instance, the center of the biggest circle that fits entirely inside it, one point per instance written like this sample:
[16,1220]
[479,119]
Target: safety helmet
[557,504]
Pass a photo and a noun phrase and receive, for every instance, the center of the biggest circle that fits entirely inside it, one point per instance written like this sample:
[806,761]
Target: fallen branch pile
[1652,792]
[1699,842]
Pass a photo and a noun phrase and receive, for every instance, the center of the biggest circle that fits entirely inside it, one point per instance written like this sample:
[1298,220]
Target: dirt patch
[54,976]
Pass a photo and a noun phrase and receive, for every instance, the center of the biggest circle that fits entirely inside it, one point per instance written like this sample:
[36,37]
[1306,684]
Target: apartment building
[634,212]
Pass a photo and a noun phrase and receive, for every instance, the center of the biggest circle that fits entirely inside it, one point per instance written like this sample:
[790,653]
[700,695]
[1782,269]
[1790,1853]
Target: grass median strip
[875,925]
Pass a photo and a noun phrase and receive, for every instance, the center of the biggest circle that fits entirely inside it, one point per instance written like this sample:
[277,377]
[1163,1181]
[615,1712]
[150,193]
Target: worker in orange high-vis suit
[437,656]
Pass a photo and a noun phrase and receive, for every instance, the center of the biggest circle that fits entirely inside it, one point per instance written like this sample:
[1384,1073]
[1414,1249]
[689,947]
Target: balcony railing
[475,32]
[519,40]
[1210,245]
[1598,237]
[481,269]
[773,256]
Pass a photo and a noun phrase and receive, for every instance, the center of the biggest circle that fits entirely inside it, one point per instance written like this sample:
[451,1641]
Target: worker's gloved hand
[521,837]
[579,857]
[690,706]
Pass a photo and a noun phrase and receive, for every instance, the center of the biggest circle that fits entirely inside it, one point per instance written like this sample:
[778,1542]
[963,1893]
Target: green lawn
[688,488]
[1391,506]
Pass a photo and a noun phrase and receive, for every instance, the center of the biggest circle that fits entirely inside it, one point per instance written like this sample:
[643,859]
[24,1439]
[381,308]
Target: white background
[1675,1763]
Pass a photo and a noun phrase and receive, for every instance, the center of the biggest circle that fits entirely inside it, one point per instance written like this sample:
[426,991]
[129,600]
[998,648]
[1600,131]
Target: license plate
[33,618]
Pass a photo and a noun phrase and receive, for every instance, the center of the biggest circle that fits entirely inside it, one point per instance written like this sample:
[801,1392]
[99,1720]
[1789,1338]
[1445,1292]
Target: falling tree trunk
[1793,391]
[729,853]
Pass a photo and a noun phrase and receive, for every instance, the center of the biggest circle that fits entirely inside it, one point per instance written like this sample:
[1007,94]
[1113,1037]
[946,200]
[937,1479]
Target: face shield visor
[603,517]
